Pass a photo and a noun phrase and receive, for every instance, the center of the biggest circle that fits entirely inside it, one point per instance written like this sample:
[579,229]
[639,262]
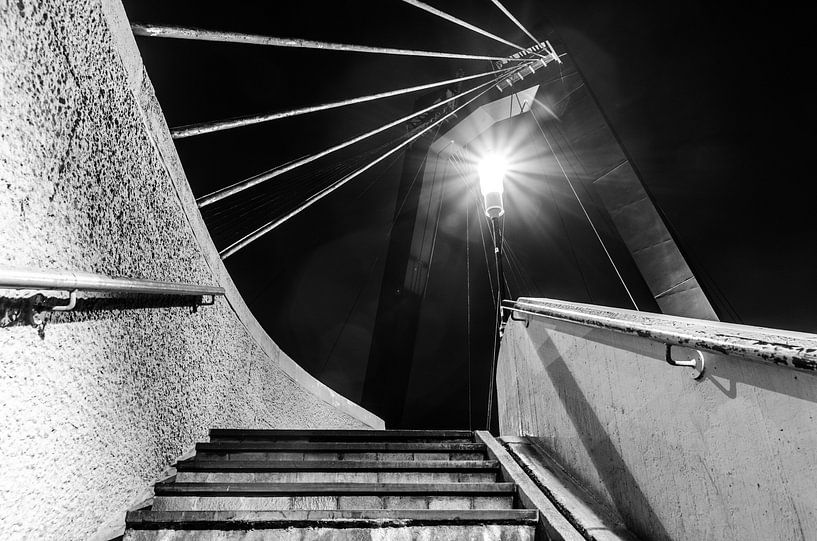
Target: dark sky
[707,100]
[703,96]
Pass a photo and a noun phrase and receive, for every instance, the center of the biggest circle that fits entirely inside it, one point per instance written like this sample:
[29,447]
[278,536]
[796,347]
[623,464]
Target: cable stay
[200,34]
[513,19]
[460,22]
[244,213]
[219,125]
[569,242]
[550,52]
[584,210]
[261,231]
[272,173]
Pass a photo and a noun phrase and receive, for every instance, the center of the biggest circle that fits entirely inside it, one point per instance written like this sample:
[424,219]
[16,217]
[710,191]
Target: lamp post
[492,171]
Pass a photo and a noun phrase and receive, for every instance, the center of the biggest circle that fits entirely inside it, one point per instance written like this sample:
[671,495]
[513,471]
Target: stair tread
[249,480]
[339,435]
[332,518]
[340,447]
[284,489]
[337,465]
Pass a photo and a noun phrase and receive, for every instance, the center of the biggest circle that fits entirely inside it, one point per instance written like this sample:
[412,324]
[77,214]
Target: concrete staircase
[330,484]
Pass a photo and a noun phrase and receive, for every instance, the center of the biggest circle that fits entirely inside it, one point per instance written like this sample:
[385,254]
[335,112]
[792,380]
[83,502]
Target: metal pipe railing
[770,346]
[72,281]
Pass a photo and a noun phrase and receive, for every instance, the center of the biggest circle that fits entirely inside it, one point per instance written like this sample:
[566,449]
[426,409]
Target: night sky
[705,98]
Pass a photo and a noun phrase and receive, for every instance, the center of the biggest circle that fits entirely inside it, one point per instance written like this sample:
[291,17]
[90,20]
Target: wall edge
[142,91]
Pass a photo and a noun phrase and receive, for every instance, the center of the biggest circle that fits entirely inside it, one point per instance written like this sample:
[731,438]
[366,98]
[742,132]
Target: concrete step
[304,485]
[197,464]
[313,489]
[228,434]
[337,471]
[367,450]
[487,532]
[336,477]
[352,525]
[283,503]
[285,496]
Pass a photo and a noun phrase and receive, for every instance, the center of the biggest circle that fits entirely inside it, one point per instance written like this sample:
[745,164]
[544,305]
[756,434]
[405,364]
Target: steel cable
[272,173]
[199,34]
[513,19]
[201,128]
[586,214]
[317,197]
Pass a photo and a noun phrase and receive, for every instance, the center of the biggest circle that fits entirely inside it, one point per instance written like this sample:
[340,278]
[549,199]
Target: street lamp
[492,170]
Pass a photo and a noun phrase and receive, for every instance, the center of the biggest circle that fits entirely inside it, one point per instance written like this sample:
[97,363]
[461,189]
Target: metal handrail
[72,281]
[770,346]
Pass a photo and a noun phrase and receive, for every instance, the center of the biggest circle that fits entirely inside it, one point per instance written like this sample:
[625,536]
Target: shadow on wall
[630,501]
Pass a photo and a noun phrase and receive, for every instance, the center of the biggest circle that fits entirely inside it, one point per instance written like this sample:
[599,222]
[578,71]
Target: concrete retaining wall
[92,412]
[732,456]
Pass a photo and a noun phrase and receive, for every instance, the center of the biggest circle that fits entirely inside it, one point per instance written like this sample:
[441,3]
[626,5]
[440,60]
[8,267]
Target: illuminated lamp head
[492,171]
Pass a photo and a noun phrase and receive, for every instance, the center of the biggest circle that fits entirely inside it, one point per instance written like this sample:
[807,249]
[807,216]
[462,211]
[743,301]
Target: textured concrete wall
[92,412]
[732,456]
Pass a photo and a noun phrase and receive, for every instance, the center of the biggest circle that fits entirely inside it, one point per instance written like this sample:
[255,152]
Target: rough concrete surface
[93,411]
[259,503]
[732,456]
[410,533]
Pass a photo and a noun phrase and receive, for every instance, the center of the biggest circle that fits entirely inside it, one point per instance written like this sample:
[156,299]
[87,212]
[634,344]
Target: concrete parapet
[727,456]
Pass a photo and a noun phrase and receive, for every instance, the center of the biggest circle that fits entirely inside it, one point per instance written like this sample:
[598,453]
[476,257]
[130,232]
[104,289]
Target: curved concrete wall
[90,181]
[731,456]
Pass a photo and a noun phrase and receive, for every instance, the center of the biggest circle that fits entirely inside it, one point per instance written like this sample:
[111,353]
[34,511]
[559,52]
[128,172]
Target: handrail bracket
[525,320]
[72,303]
[698,364]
